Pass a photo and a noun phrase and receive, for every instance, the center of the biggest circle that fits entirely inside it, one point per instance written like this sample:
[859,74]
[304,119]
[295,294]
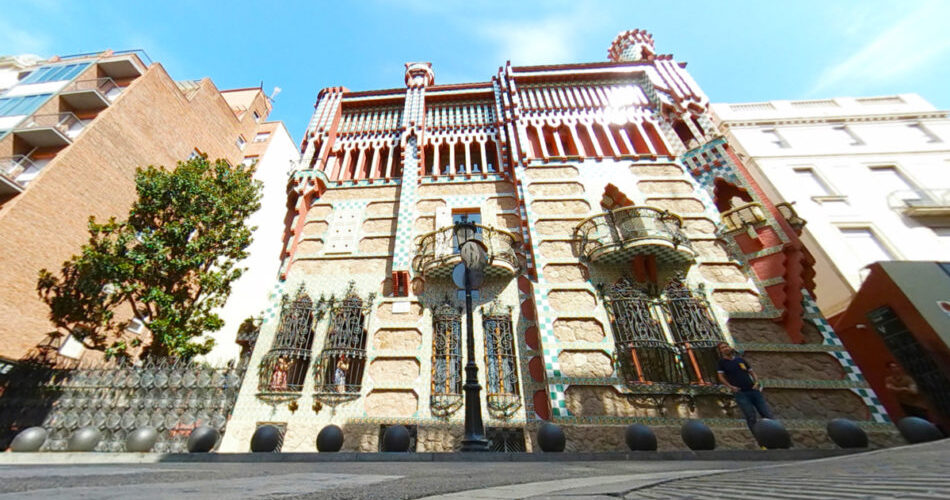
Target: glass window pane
[865,245]
[811,183]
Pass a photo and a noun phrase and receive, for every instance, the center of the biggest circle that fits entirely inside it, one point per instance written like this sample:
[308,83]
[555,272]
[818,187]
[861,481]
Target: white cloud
[913,42]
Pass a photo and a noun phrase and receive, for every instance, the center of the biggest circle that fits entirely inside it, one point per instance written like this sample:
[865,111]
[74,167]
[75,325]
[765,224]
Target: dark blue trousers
[752,401]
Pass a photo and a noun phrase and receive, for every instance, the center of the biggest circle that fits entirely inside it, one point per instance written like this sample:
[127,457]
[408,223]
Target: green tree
[170,264]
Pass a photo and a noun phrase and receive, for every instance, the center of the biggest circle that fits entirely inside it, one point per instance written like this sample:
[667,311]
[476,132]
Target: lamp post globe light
[474,258]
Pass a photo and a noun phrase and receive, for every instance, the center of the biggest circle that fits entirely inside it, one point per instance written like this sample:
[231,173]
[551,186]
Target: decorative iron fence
[172,397]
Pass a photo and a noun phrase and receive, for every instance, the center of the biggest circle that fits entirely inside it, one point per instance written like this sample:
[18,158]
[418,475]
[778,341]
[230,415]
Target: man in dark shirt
[736,374]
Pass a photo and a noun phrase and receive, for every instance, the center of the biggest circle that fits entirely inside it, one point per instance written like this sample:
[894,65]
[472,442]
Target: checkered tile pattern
[878,413]
[709,161]
[665,254]
[407,206]
[272,311]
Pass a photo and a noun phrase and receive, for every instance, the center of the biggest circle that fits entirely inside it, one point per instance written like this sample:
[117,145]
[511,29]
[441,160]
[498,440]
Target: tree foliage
[170,264]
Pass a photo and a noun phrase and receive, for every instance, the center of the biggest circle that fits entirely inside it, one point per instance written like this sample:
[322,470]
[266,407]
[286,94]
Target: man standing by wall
[736,374]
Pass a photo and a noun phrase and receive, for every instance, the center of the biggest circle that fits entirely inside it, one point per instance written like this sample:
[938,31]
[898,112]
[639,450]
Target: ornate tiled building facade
[625,241]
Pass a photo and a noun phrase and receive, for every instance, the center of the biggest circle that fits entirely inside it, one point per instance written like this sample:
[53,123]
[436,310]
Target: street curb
[45,458]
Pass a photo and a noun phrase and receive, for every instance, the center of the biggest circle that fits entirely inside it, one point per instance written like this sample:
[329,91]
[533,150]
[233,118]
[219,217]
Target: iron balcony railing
[13,166]
[436,250]
[630,228]
[791,215]
[738,218]
[921,201]
[104,86]
[67,123]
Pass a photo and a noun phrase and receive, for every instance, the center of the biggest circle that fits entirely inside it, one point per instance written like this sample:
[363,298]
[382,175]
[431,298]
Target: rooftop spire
[419,74]
[630,46]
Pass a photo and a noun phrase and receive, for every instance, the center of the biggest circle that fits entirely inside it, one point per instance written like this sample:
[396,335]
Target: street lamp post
[473,256]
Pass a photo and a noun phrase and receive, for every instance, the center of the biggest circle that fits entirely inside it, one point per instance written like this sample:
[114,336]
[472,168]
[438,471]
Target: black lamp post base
[475,444]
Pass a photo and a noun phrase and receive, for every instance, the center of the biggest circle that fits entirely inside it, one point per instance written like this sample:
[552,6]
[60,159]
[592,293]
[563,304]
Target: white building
[871,175]
[273,151]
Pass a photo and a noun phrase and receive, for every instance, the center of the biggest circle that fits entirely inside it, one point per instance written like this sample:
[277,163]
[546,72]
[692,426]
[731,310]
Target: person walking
[736,374]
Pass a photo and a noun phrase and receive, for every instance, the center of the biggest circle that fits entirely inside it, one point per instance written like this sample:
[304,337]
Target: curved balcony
[620,234]
[436,254]
[743,217]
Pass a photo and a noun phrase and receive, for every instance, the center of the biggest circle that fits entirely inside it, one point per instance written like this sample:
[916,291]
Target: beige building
[624,238]
[72,131]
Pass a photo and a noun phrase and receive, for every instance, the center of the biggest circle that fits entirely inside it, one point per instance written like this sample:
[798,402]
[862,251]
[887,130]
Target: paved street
[908,472]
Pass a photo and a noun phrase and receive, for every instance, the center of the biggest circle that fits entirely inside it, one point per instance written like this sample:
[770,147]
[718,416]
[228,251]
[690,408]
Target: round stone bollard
[141,440]
[330,439]
[396,439]
[84,439]
[772,434]
[847,434]
[29,439]
[918,430]
[266,439]
[202,439]
[698,436]
[640,437]
[551,438]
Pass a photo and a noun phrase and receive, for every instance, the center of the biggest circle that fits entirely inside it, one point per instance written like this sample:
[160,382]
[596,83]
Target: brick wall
[150,123]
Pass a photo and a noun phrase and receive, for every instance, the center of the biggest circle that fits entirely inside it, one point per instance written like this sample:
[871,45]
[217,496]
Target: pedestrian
[736,374]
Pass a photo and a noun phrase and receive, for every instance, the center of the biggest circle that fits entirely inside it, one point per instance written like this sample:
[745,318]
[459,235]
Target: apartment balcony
[93,94]
[743,217]
[921,203]
[49,130]
[436,254]
[12,168]
[621,234]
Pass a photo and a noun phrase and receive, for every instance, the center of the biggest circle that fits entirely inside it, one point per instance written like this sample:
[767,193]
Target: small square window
[241,142]
[775,138]
[262,137]
[250,160]
[257,117]
[853,139]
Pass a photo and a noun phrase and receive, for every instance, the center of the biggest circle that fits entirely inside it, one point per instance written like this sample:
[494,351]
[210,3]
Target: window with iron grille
[340,371]
[695,331]
[446,393]
[501,371]
[644,356]
[284,367]
[505,439]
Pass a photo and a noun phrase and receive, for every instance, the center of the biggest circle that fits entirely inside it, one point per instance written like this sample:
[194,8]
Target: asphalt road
[919,471]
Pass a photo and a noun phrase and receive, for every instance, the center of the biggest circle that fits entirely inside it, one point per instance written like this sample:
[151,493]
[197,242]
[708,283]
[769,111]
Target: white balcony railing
[921,202]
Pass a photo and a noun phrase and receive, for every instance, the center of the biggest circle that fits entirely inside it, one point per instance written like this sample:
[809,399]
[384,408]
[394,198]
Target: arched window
[339,374]
[284,367]
[644,356]
[446,394]
[694,330]
[501,365]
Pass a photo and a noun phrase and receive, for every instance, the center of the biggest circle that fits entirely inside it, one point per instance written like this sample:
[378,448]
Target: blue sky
[736,50]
